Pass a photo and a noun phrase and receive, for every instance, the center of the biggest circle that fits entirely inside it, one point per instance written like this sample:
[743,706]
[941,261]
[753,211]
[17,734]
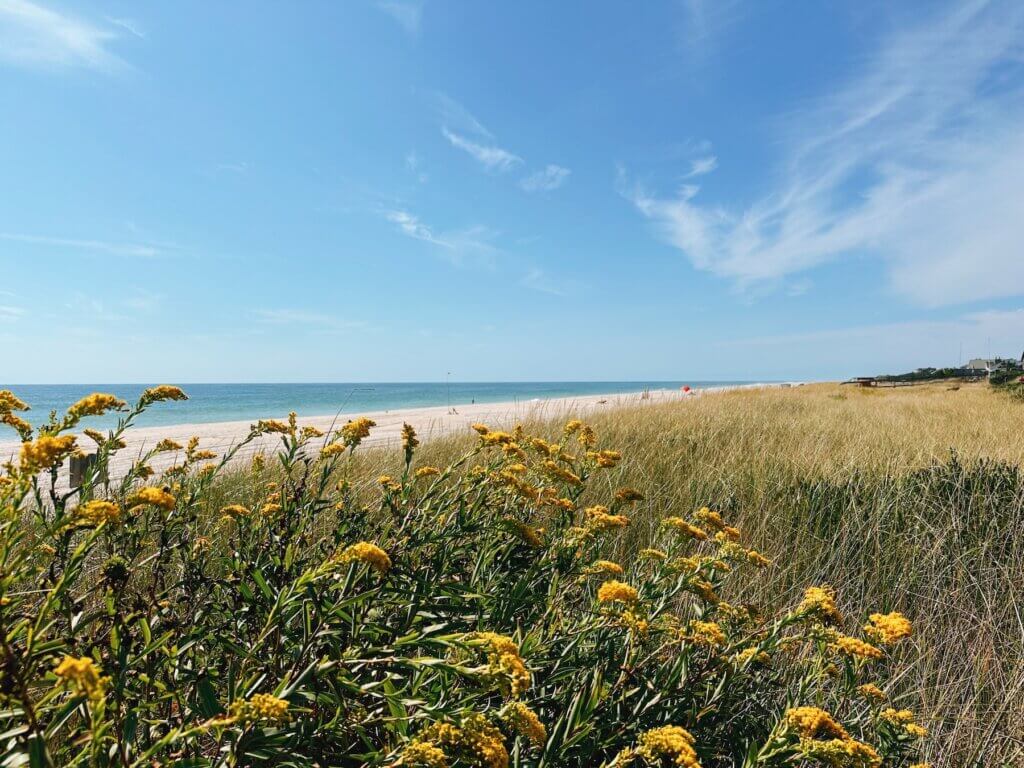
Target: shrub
[467,615]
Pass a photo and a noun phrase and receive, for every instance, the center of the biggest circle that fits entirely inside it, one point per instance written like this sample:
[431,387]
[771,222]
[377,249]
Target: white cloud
[129,26]
[457,245]
[538,280]
[702,165]
[34,36]
[916,161]
[492,158]
[452,113]
[551,177]
[115,249]
[407,14]
[8,313]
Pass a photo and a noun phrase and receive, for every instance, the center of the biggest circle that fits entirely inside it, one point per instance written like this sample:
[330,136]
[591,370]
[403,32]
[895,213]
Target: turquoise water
[240,402]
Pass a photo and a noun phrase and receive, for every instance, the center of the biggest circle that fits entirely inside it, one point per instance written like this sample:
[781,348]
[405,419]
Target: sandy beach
[429,423]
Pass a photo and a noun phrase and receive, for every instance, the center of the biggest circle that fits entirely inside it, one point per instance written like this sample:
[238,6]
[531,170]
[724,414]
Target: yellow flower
[504,660]
[616,591]
[888,628]
[903,718]
[711,518]
[559,472]
[814,723]
[427,472]
[749,656]
[365,552]
[871,691]
[628,495]
[756,558]
[668,741]
[424,754]
[525,722]
[334,449]
[18,424]
[525,533]
[82,675]
[678,524]
[605,566]
[707,633]
[598,519]
[273,426]
[821,602]
[409,441]
[308,432]
[167,445]
[854,647]
[354,431]
[258,462]
[262,707]
[161,393]
[97,512]
[158,497]
[270,508]
[571,426]
[653,554]
[235,511]
[95,404]
[11,402]
[45,452]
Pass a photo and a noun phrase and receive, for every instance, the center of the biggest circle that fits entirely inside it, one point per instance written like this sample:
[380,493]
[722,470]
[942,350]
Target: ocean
[240,402]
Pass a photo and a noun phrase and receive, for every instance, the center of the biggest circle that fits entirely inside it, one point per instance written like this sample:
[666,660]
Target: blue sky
[394,190]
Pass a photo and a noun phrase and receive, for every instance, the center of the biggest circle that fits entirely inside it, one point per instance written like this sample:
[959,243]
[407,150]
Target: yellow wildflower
[161,393]
[678,524]
[871,691]
[605,566]
[628,495]
[427,472]
[424,754]
[365,552]
[559,472]
[18,424]
[888,628]
[262,707]
[273,426]
[854,647]
[814,723]
[258,462]
[821,602]
[409,441]
[504,660]
[525,722]
[235,511]
[598,519]
[711,518]
[45,452]
[83,675]
[356,430]
[653,554]
[756,558]
[617,591]
[11,402]
[167,445]
[270,509]
[97,512]
[707,633]
[334,449]
[525,533]
[158,497]
[668,741]
[95,404]
[310,431]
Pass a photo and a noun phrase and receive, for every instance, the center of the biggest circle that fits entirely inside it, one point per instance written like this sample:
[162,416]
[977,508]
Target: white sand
[429,423]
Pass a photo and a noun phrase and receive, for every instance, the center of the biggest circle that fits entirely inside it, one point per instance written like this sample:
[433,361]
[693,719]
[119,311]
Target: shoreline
[429,422]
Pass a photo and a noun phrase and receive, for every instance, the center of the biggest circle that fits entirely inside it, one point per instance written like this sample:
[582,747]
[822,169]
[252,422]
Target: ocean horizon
[210,403]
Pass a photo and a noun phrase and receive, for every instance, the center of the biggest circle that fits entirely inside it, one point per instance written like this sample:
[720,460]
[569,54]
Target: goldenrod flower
[707,633]
[262,707]
[45,452]
[756,558]
[903,718]
[97,512]
[427,472]
[334,449]
[365,552]
[598,519]
[628,495]
[18,424]
[653,554]
[888,628]
[505,661]
[711,518]
[82,675]
[749,656]
[167,445]
[95,404]
[258,462]
[852,646]
[525,533]
[161,393]
[424,754]
[678,524]
[273,426]
[310,431]
[11,402]
[157,497]
[871,691]
[409,441]
[668,741]
[814,723]
[605,567]
[270,508]
[235,511]
[525,722]
[821,602]
[617,591]
[356,430]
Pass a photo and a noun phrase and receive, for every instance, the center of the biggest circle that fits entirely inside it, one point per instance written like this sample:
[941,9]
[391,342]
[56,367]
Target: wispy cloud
[702,165]
[538,280]
[319,320]
[129,26]
[453,114]
[458,246]
[9,313]
[407,13]
[415,166]
[34,36]
[100,246]
[492,158]
[551,177]
[917,160]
